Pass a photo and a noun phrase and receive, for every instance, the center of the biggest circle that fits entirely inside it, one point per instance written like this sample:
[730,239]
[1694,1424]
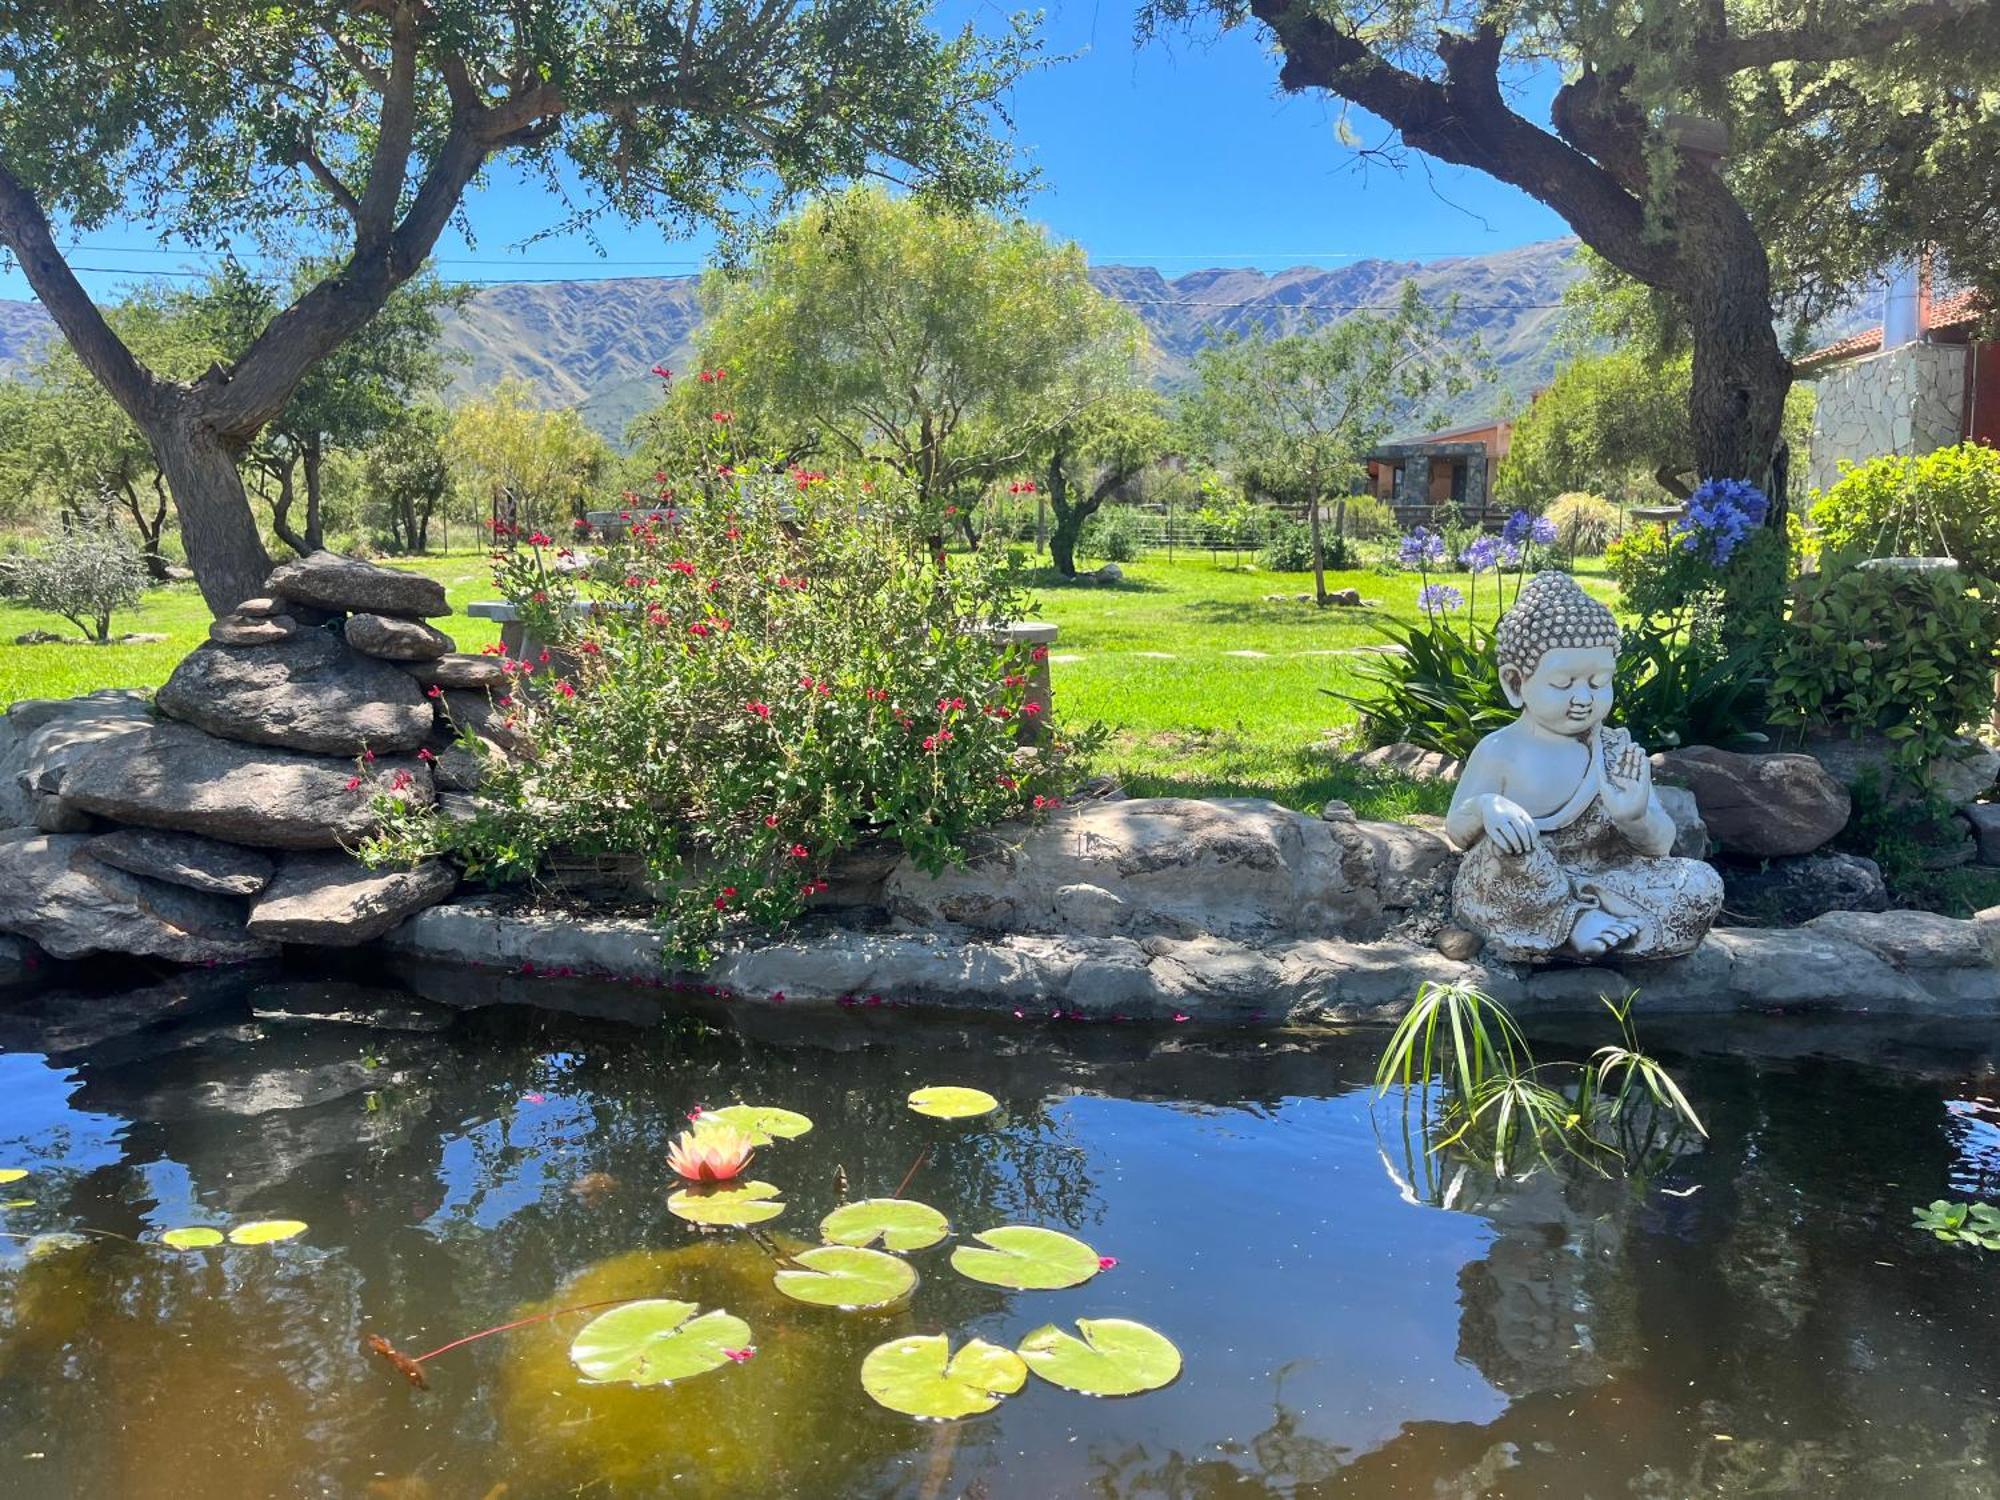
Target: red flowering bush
[769,670]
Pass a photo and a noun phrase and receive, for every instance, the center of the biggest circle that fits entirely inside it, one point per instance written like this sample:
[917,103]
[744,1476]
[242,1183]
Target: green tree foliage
[1292,416]
[1616,423]
[354,131]
[85,574]
[951,347]
[532,468]
[1685,140]
[1945,504]
[406,476]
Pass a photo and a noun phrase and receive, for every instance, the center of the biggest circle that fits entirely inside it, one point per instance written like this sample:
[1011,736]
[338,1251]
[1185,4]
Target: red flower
[589,648]
[426,754]
[697,628]
[770,820]
[565,689]
[798,851]
[369,756]
[541,539]
[722,416]
[496,649]
[1106,1262]
[400,781]
[354,783]
[761,710]
[1031,709]
[681,565]
[1047,803]
[1013,679]
[1009,783]
[722,901]
[434,691]
[663,372]
[739,1355]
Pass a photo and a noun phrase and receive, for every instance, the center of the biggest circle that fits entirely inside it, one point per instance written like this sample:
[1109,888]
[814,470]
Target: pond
[1754,1317]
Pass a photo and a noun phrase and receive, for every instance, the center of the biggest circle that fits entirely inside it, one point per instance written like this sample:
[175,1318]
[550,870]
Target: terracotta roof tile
[1959,310]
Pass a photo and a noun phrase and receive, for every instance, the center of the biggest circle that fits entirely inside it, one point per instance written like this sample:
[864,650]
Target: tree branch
[1764,49]
[24,229]
[308,157]
[396,129]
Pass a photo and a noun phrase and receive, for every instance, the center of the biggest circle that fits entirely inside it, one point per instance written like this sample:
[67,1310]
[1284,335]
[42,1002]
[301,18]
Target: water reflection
[1754,1319]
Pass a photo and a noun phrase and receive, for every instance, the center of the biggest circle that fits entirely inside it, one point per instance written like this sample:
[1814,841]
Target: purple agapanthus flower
[1542,532]
[1437,598]
[1510,554]
[1421,548]
[1720,515]
[1481,553]
[1517,528]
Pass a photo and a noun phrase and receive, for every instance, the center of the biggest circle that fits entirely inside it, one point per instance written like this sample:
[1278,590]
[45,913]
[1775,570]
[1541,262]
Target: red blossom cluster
[665,374]
[722,416]
[1021,487]
[566,688]
[760,710]
[709,377]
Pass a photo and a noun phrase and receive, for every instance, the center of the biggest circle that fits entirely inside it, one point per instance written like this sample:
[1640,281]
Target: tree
[1657,98]
[951,347]
[1094,457]
[85,574]
[1292,416]
[406,473]
[359,128]
[535,468]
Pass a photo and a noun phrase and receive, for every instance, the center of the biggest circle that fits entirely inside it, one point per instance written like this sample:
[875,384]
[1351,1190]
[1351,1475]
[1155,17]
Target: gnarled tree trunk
[218,527]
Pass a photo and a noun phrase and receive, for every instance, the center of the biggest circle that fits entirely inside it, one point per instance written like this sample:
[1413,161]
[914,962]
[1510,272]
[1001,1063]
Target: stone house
[1424,477]
[1921,379]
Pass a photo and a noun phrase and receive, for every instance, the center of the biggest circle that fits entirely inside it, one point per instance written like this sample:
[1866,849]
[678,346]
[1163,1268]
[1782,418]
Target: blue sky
[1180,155]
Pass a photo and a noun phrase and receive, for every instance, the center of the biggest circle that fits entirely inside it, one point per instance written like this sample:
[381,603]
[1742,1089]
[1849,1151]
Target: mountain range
[592,344]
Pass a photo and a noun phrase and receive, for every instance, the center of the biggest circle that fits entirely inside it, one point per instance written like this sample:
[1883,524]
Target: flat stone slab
[310,693]
[41,737]
[1216,980]
[350,586]
[334,901]
[54,894]
[1166,866]
[240,629]
[174,776]
[459,670]
[395,639]
[184,859]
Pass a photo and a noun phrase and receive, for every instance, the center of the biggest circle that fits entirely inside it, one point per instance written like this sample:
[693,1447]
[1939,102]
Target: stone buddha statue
[1566,845]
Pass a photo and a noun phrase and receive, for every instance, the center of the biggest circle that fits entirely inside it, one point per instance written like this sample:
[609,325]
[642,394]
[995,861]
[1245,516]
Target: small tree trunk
[1069,519]
[217,525]
[315,528]
[149,530]
[1319,556]
[281,509]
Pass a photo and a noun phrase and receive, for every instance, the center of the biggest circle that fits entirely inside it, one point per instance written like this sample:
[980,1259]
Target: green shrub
[1369,519]
[1585,524]
[86,575]
[1440,689]
[1944,503]
[770,675]
[1288,549]
[1909,654]
[1114,534]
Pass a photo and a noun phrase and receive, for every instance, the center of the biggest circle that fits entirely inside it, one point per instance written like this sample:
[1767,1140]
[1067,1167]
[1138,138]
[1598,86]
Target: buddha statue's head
[1558,649]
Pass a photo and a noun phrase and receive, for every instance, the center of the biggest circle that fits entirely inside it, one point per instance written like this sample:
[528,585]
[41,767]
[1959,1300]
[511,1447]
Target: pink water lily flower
[711,1153]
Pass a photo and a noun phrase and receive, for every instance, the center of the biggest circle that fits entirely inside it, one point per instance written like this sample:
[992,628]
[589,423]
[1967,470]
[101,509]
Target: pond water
[1755,1317]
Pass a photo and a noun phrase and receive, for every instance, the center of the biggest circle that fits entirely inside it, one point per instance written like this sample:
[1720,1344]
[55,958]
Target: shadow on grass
[1049,578]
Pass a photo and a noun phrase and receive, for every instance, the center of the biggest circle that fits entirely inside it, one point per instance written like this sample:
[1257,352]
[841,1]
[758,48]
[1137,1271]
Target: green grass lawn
[177,612]
[1208,687]
[1212,689]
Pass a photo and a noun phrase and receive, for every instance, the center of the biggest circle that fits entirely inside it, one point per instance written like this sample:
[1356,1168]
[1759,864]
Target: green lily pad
[55,1240]
[12,1174]
[943,1101]
[191,1239]
[763,1123]
[1026,1258]
[897,1223]
[727,1205]
[267,1231]
[847,1277]
[1115,1357]
[656,1341]
[920,1377]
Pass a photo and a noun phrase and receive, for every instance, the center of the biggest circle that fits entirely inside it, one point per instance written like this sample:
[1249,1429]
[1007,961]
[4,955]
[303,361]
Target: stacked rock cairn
[218,825]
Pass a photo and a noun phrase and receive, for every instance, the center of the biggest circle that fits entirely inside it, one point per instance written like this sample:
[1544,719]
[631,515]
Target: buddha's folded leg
[1524,905]
[1676,899]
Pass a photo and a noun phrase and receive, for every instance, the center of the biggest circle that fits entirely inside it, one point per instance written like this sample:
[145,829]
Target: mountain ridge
[592,344]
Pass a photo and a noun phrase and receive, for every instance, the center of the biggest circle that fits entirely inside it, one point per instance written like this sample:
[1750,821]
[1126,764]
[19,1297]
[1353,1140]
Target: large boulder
[54,893]
[1786,892]
[1167,866]
[40,737]
[311,693]
[1965,770]
[184,859]
[335,901]
[396,639]
[1690,833]
[1759,806]
[174,776]
[349,586]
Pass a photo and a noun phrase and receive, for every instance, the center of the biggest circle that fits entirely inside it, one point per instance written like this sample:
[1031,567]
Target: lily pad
[267,1231]
[1026,1259]
[763,1123]
[656,1341]
[943,1101]
[921,1377]
[195,1238]
[897,1223]
[54,1240]
[1115,1357]
[12,1174]
[727,1205]
[847,1277]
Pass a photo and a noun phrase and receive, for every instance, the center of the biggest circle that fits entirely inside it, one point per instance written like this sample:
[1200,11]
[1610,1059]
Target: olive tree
[85,574]
[359,128]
